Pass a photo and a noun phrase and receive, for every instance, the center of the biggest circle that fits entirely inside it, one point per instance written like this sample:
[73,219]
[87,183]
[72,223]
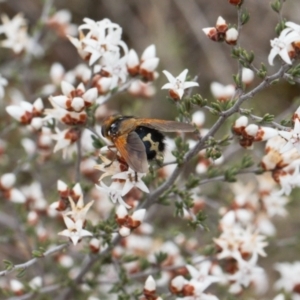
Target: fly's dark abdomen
[153,141]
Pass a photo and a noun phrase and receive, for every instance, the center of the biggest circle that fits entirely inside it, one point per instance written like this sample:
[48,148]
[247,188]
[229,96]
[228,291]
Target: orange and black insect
[139,140]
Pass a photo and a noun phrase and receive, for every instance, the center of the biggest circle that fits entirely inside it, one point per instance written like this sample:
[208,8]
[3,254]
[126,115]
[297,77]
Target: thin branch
[34,260]
[222,177]
[259,119]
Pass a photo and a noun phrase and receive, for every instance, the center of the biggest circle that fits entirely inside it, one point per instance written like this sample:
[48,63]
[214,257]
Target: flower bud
[231,36]
[211,33]
[149,52]
[133,64]
[221,25]
[16,287]
[94,245]
[177,284]
[149,287]
[124,231]
[7,180]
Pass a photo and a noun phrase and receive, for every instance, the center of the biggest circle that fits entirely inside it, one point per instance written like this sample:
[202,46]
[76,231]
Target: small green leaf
[230,174]
[8,264]
[246,162]
[245,16]
[21,272]
[267,118]
[276,6]
[160,257]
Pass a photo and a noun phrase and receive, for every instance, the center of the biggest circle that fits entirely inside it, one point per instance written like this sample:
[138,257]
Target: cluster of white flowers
[8,190]
[17,37]
[221,32]
[121,182]
[282,149]
[249,133]
[195,287]
[73,210]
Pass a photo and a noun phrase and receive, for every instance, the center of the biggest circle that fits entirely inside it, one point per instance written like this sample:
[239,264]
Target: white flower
[289,276]
[229,241]
[247,75]
[16,286]
[283,45]
[150,284]
[15,31]
[222,92]
[65,141]
[7,180]
[124,231]
[145,66]
[221,25]
[75,99]
[132,179]
[108,167]
[78,209]
[178,283]
[288,179]
[201,278]
[198,118]
[275,205]
[138,215]
[103,36]
[16,196]
[247,272]
[36,283]
[177,85]
[63,115]
[231,36]
[114,192]
[293,26]
[292,137]
[74,230]
[254,243]
[121,212]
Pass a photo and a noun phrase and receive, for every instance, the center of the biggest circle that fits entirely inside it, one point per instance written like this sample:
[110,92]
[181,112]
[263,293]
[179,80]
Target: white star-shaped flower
[114,192]
[292,137]
[78,209]
[283,45]
[177,85]
[74,230]
[246,273]
[132,179]
[201,279]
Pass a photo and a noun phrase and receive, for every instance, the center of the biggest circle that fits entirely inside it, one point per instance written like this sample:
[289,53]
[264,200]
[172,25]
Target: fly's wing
[166,126]
[132,149]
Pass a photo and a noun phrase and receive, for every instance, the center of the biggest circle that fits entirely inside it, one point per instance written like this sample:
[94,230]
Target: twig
[34,260]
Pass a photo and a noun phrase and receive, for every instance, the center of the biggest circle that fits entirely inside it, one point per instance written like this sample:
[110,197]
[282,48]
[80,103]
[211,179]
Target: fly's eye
[113,129]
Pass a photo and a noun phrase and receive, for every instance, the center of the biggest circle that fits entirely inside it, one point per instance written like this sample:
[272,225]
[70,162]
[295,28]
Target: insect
[139,140]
